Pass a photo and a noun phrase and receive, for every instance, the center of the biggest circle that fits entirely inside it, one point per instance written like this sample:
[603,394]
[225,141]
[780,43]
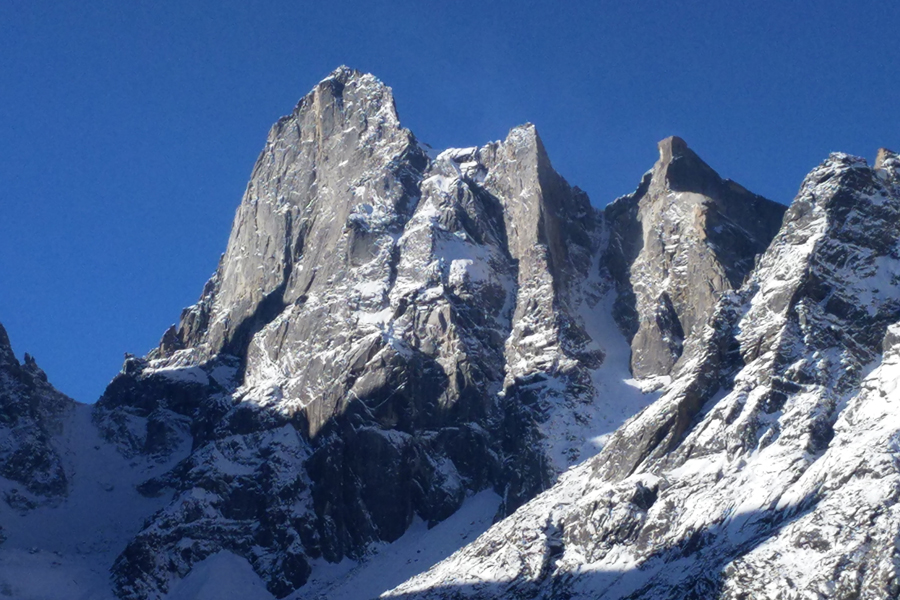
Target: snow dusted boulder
[768,467]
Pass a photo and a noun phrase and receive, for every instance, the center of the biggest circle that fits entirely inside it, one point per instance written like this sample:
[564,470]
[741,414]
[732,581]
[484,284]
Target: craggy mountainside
[681,240]
[387,334]
[686,394]
[769,467]
[31,410]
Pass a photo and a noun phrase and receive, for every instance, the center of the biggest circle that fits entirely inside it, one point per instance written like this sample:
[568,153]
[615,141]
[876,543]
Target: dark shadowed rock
[30,416]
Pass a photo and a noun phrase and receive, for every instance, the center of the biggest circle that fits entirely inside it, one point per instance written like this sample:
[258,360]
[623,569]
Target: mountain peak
[680,169]
[526,128]
[681,240]
[343,74]
[886,156]
[671,148]
[6,353]
[525,135]
[345,131]
[368,96]
[391,338]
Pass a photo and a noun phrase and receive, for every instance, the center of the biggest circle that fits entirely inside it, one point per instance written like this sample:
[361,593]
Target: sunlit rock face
[387,333]
[768,467]
[678,243]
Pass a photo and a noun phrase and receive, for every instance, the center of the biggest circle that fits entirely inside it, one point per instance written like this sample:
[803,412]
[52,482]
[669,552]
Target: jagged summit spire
[526,136]
[681,169]
[341,148]
[343,74]
[6,353]
[526,126]
[684,237]
[885,156]
[329,93]
[672,147]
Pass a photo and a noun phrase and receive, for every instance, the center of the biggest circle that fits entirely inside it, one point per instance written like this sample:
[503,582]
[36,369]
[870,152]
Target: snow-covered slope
[70,502]
[769,466]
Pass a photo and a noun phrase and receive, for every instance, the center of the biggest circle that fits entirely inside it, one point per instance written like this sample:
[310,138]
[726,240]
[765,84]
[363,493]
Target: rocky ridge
[768,466]
[387,334]
[391,336]
[31,411]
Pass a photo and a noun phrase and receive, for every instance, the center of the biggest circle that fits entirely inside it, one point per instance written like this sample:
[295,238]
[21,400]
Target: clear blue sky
[128,129]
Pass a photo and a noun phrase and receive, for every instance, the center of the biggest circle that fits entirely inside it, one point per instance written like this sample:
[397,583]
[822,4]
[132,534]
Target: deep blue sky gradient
[128,129]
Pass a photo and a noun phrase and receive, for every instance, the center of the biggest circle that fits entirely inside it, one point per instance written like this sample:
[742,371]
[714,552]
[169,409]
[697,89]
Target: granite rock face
[768,467]
[31,411]
[677,244]
[387,334]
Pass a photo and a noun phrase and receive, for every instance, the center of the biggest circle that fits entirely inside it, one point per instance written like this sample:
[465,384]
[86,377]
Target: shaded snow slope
[417,550]
[64,549]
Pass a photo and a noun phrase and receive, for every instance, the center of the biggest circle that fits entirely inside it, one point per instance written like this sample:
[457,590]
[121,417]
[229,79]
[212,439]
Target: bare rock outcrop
[677,244]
